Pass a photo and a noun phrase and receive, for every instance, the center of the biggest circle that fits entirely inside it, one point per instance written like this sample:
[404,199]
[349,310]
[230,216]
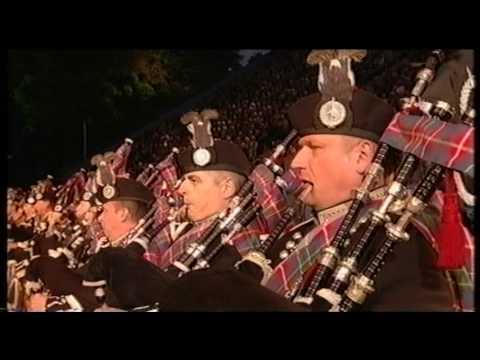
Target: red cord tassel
[450,236]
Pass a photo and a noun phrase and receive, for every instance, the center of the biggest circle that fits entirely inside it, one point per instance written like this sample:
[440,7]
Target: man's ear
[124,214]
[364,152]
[227,188]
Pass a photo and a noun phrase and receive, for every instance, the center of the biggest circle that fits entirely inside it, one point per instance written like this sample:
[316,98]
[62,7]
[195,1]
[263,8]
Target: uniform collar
[124,239]
[209,219]
[339,210]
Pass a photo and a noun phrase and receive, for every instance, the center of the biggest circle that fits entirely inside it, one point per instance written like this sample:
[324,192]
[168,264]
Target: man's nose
[300,159]
[182,188]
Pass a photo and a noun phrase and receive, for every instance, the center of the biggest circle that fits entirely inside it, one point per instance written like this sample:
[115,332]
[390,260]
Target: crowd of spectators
[253,107]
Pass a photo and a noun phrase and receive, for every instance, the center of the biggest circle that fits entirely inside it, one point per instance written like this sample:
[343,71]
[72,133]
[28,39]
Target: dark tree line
[54,95]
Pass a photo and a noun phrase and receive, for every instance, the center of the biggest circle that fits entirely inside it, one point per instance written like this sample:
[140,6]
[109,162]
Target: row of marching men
[367,216]
[58,221]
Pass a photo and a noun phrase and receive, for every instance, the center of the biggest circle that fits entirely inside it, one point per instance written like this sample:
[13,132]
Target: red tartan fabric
[72,190]
[66,187]
[289,272]
[167,178]
[447,144]
[164,186]
[269,195]
[95,233]
[163,250]
[119,165]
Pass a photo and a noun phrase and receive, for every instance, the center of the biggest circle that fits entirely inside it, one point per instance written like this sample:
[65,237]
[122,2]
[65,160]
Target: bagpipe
[273,247]
[259,263]
[244,208]
[271,162]
[343,278]
[162,179]
[201,252]
[149,175]
[154,178]
[57,234]
[120,260]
